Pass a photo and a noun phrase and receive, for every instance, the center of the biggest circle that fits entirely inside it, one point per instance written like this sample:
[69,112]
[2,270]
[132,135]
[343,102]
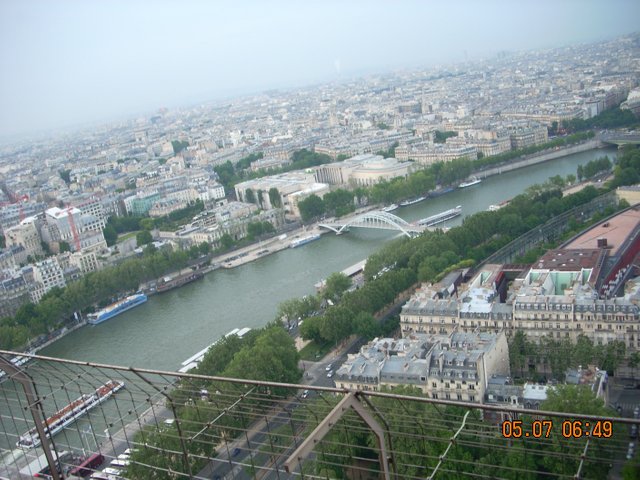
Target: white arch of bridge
[374,219]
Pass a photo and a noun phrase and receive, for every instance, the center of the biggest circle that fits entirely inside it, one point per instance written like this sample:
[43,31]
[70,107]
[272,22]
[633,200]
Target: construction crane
[74,230]
[14,198]
[23,198]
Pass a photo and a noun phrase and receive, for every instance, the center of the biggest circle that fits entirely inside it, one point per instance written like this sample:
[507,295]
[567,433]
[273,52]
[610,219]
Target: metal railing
[174,425]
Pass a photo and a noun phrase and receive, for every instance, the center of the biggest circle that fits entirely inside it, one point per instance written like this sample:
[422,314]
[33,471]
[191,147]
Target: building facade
[451,367]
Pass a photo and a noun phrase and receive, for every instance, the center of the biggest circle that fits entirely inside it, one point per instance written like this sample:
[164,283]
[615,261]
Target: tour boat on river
[440,217]
[70,413]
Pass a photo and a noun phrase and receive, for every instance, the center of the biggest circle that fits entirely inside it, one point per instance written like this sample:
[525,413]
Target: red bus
[89,466]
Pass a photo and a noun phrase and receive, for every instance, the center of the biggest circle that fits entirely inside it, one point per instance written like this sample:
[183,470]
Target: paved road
[232,460]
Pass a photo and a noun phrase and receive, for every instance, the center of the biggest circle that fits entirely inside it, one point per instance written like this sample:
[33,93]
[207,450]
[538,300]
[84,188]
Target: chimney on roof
[602,242]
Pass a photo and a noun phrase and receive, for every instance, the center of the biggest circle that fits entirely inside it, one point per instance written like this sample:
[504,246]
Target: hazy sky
[64,62]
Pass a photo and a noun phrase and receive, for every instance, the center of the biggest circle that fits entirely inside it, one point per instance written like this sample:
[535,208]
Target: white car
[330,374]
[328,367]
[631,451]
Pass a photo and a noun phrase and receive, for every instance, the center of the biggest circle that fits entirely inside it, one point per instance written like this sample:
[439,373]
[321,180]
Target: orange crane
[74,230]
[23,198]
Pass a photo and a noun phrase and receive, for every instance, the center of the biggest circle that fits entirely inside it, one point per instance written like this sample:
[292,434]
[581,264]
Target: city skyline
[76,63]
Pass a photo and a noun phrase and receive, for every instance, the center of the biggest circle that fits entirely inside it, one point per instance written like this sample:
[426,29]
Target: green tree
[519,350]
[274,198]
[364,325]
[226,241]
[273,357]
[143,238]
[64,246]
[110,235]
[311,207]
[249,196]
[246,162]
[178,146]
[205,248]
[611,355]
[218,357]
[336,324]
[336,284]
[146,223]
[66,176]
[575,399]
[441,137]
[255,229]
[310,329]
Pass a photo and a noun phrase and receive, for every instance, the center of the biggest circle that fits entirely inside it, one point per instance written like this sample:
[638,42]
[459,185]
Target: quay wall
[540,158]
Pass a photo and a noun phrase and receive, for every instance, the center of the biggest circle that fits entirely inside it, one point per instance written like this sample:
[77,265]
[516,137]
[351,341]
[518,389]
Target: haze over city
[68,63]
[273,240]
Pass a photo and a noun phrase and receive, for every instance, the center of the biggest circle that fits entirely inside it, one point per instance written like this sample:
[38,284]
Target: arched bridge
[620,138]
[375,219]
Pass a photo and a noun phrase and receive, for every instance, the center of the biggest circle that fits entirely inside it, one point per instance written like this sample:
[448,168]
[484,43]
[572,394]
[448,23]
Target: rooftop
[615,230]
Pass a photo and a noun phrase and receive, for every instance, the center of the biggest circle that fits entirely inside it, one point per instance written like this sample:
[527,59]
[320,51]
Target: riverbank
[539,157]
[250,295]
[264,248]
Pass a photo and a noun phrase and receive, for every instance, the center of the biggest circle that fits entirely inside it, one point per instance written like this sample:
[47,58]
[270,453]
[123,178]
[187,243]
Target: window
[471,386]
[459,397]
[472,398]
[434,384]
[447,396]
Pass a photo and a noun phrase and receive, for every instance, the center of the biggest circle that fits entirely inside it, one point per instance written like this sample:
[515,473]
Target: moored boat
[304,240]
[441,191]
[441,217]
[470,183]
[70,413]
[169,283]
[116,308]
[412,201]
[390,208]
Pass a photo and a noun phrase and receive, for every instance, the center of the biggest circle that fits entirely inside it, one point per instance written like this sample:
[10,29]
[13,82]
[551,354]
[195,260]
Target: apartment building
[429,154]
[47,274]
[72,226]
[14,292]
[452,367]
[571,291]
[25,235]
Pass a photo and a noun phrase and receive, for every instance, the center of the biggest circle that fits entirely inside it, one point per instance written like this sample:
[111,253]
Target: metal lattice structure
[376,219]
[193,426]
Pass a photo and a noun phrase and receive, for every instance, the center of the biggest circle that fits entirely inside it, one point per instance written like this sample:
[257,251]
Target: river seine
[171,327]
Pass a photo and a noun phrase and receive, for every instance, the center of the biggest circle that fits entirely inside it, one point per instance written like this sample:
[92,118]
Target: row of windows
[541,306]
[578,326]
[458,386]
[621,315]
[447,396]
